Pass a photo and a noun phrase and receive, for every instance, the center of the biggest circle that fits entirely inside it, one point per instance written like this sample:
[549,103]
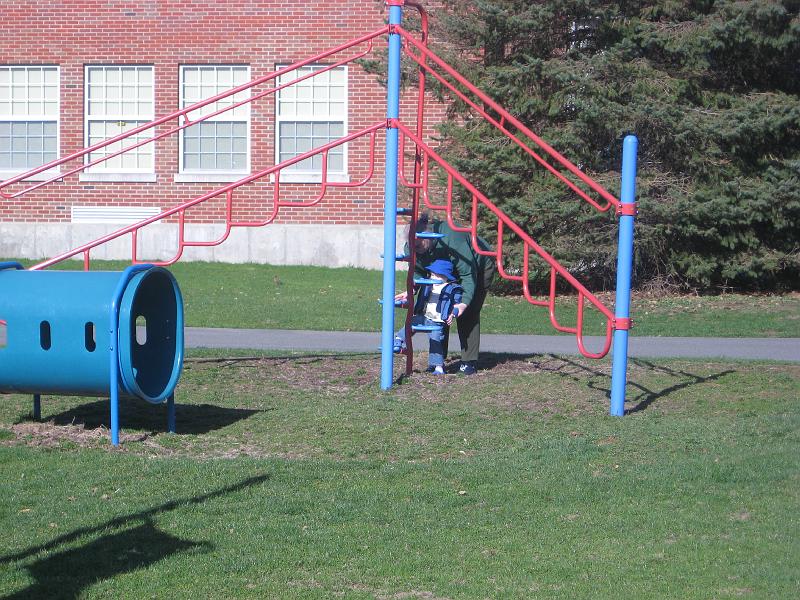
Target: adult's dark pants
[469,324]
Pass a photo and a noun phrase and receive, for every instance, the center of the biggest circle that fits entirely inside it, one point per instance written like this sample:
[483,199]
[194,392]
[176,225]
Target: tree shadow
[144,517]
[66,574]
[646,396]
[639,396]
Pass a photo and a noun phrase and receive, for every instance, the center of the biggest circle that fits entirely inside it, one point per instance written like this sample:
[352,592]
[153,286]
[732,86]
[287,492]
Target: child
[435,306]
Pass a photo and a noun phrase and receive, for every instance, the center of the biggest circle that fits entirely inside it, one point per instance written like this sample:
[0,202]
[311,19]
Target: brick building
[75,72]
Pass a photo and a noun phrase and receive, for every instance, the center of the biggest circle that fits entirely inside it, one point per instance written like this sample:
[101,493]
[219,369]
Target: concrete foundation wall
[290,244]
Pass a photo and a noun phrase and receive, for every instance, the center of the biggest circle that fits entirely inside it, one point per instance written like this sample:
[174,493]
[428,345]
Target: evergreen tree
[712,90]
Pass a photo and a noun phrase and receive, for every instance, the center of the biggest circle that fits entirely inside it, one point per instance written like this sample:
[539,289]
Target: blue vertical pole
[390,197]
[619,364]
[113,347]
[171,413]
[37,407]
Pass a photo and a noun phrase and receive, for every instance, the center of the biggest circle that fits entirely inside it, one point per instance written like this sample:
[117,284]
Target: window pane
[191,161]
[303,130]
[224,161]
[335,162]
[239,145]
[132,159]
[208,162]
[239,161]
[191,144]
[219,138]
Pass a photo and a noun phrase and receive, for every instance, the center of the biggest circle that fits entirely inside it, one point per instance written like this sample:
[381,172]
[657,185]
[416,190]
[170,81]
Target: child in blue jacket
[435,306]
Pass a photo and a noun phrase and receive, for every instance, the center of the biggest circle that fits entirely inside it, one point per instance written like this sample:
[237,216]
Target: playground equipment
[92,334]
[401,43]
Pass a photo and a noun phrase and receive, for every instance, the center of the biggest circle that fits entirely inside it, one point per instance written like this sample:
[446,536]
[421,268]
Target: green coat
[473,270]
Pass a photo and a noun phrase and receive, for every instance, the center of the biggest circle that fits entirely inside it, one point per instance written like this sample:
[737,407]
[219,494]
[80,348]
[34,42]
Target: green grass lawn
[293,476]
[265,296]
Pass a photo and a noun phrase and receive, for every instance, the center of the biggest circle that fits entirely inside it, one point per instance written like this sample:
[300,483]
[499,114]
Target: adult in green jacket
[474,271]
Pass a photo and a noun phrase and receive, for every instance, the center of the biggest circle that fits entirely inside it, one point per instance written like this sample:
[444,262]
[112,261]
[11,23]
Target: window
[118,99]
[220,144]
[311,113]
[28,117]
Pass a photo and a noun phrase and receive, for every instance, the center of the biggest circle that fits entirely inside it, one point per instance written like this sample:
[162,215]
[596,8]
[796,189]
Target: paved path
[786,349]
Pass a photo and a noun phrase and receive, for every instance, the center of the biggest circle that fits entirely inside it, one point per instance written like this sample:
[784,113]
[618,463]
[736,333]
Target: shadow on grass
[138,544]
[639,396]
[646,397]
[65,574]
[139,414]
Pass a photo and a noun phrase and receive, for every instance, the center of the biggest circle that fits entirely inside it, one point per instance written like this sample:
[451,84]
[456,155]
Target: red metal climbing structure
[425,157]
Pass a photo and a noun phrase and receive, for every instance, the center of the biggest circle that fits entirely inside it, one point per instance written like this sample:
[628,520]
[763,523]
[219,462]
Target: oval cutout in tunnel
[141,330]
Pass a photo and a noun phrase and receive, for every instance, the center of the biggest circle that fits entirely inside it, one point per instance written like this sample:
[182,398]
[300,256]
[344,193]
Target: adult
[474,271]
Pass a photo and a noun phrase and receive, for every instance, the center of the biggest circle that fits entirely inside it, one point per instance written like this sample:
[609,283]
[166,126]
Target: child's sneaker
[435,370]
[398,347]
[467,368]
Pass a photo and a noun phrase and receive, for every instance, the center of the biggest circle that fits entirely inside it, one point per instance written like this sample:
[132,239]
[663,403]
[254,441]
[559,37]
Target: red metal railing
[183,114]
[503,121]
[420,185]
[183,121]
[504,222]
[227,191]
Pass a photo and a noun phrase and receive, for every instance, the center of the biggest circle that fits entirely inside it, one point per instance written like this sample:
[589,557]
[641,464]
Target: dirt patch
[49,435]
[500,381]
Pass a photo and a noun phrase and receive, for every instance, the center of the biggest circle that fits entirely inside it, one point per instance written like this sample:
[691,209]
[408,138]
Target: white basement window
[120,215]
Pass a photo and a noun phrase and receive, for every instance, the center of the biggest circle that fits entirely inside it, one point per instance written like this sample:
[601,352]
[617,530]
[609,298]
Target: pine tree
[712,90]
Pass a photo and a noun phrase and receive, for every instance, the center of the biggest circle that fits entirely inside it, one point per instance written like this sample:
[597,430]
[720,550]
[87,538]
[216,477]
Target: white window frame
[101,171]
[7,173]
[215,175]
[312,175]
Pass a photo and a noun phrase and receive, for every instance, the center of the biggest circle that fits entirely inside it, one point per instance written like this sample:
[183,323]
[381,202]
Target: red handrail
[424,154]
[228,191]
[368,38]
[505,117]
[504,221]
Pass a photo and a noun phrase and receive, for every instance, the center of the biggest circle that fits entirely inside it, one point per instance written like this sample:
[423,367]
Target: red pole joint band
[623,323]
[630,209]
[395,2]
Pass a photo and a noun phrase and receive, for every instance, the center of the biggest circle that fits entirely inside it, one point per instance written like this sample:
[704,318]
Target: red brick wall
[168,33]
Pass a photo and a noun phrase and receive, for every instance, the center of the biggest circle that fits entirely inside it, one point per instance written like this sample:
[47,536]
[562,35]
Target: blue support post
[171,413]
[37,407]
[113,347]
[390,197]
[619,365]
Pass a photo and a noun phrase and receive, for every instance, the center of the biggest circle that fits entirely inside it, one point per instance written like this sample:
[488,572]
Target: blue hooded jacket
[450,296]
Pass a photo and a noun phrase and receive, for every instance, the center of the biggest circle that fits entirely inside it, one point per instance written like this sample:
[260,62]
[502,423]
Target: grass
[265,296]
[292,476]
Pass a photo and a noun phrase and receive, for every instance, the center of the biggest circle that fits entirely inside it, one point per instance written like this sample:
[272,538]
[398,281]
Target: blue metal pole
[113,347]
[37,407]
[390,198]
[619,364]
[171,413]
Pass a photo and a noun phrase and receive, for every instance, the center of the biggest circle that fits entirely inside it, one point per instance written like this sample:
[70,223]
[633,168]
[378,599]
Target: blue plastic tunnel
[57,333]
